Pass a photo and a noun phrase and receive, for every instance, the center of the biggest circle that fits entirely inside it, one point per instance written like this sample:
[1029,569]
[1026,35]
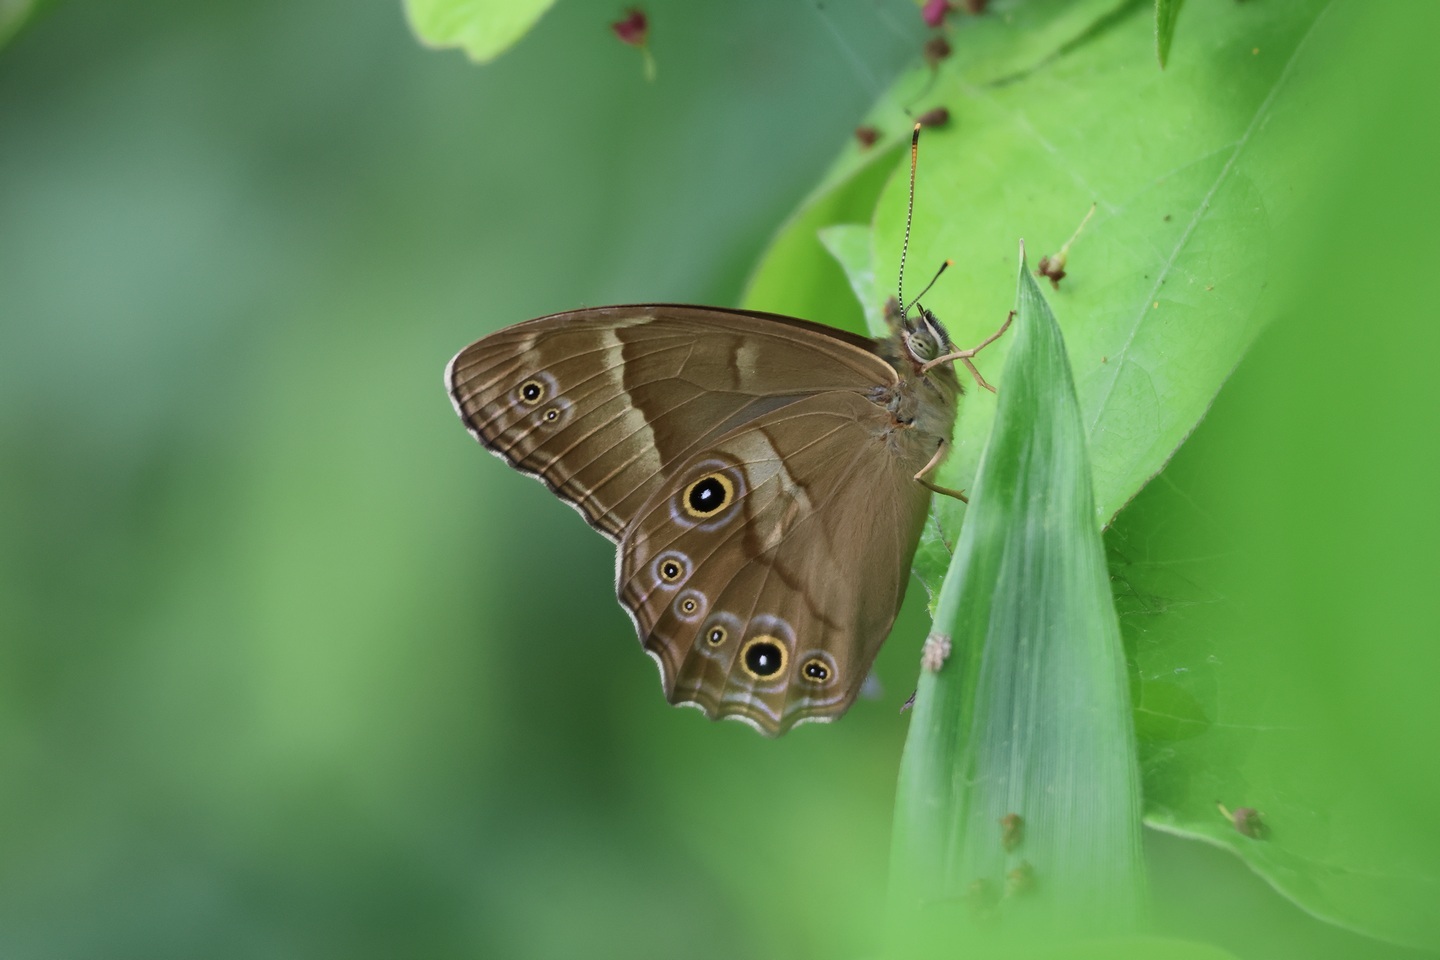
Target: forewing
[603,404]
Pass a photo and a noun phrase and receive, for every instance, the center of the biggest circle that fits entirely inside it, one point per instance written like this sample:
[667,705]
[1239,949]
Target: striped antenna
[909,212]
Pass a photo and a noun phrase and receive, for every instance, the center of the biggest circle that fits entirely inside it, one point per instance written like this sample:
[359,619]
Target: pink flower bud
[934,12]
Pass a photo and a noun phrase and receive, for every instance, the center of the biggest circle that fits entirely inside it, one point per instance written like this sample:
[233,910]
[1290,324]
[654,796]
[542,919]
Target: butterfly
[765,480]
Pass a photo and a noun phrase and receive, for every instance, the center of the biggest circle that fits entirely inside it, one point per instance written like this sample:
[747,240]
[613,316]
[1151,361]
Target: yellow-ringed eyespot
[532,392]
[551,415]
[671,570]
[716,635]
[763,657]
[690,605]
[708,496]
[816,670]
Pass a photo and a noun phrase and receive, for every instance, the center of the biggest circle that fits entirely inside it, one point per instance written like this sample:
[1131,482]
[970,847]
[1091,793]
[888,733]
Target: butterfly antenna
[943,267]
[909,214]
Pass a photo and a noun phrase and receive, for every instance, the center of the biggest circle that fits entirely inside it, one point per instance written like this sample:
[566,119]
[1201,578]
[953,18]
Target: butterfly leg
[964,355]
[935,487]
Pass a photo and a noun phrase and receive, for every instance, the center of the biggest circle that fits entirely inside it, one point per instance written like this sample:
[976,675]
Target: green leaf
[1275,582]
[484,29]
[1166,13]
[1029,715]
[798,275]
[1224,715]
[1165,286]
[849,244]
[1020,37]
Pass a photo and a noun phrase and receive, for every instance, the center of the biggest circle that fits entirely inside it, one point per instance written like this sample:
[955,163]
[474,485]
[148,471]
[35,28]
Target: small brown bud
[937,48]
[1053,268]
[938,117]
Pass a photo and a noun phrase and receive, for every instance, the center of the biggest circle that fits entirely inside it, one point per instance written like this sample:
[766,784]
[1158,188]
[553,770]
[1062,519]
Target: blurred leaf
[484,29]
[1166,13]
[849,244]
[1029,715]
[1132,948]
[1275,582]
[14,14]
[1214,724]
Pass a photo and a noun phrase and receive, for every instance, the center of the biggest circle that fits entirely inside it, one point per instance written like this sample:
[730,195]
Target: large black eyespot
[815,670]
[763,657]
[708,495]
[532,391]
[716,636]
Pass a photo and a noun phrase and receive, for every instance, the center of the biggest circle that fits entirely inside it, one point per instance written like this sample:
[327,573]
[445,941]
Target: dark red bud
[936,49]
[634,29]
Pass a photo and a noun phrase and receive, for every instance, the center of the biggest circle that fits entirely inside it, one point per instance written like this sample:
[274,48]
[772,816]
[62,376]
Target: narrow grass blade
[1166,13]
[1029,716]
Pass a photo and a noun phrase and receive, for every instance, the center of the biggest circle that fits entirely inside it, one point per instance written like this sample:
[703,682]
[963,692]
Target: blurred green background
[290,668]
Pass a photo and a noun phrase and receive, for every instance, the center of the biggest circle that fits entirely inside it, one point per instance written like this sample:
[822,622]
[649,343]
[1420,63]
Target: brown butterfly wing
[764,575]
[602,404]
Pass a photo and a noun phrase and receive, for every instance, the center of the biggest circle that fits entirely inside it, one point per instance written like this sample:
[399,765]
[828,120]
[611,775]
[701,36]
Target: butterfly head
[926,337]
[918,334]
